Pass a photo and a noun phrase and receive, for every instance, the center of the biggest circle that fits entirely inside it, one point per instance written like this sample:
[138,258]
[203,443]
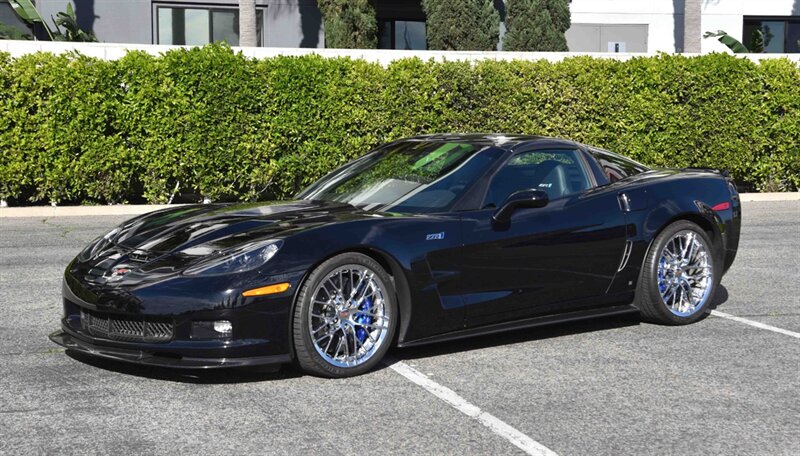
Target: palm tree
[247,23]
[692,14]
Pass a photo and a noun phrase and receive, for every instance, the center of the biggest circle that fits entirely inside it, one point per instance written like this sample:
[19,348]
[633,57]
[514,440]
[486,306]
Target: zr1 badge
[434,236]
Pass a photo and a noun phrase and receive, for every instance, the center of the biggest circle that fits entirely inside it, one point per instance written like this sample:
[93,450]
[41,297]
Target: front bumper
[133,355]
[152,323]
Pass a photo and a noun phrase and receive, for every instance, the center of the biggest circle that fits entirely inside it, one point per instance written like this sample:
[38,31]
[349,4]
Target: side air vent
[626,254]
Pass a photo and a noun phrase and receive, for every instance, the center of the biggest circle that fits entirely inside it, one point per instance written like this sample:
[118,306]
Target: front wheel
[679,275]
[345,317]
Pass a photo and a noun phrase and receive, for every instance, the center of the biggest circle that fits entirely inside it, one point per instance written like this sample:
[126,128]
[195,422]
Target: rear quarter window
[616,167]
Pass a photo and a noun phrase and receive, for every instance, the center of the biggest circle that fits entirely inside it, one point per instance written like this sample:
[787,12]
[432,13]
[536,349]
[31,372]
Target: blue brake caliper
[662,271]
[364,319]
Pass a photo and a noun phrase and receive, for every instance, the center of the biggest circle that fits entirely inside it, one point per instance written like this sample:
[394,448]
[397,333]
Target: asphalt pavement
[613,386]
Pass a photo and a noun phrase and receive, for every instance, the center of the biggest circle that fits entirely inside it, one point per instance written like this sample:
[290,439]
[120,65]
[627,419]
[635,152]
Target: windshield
[409,176]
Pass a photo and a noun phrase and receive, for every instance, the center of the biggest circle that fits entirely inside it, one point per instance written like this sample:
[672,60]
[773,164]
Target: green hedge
[211,123]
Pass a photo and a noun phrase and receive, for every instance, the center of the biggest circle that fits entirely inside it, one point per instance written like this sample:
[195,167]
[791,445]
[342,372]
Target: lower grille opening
[123,328]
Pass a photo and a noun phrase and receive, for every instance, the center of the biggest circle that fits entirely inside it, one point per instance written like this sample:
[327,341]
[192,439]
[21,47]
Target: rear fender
[654,207]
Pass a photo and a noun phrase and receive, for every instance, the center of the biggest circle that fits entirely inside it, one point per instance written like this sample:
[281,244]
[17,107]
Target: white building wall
[665,17]
[728,15]
[287,23]
[658,15]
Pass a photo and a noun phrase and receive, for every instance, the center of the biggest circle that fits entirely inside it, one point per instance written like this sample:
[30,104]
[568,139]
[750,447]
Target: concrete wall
[115,51]
[287,23]
[608,37]
[659,16]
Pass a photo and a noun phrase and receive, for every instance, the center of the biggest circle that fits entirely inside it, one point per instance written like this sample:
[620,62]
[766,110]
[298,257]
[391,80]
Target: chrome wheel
[685,274]
[349,316]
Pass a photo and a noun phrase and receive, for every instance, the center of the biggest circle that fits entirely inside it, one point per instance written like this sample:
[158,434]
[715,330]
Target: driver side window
[557,172]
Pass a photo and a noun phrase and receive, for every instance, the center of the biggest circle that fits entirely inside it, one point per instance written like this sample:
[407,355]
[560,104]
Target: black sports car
[422,240]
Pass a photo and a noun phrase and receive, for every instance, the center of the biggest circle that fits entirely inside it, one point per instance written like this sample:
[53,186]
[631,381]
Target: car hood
[200,230]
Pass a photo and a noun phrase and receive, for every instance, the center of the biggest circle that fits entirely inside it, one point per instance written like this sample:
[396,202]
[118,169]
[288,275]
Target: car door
[546,260]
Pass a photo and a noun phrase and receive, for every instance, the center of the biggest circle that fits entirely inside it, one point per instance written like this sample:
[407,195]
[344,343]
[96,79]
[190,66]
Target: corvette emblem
[118,272]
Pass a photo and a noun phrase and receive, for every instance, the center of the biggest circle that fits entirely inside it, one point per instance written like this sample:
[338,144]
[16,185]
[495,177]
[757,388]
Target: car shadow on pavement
[516,336]
[534,333]
[248,375]
[720,297]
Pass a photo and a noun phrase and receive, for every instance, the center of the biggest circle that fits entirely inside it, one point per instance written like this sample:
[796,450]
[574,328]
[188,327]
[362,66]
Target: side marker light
[269,289]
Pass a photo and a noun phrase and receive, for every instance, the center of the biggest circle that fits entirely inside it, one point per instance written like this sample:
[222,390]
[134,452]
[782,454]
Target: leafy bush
[349,24]
[461,25]
[536,25]
[206,122]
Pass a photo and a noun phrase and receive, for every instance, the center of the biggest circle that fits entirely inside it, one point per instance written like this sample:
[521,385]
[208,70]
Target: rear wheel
[345,317]
[679,277]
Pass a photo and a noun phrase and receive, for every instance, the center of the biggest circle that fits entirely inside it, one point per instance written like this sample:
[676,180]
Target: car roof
[502,140]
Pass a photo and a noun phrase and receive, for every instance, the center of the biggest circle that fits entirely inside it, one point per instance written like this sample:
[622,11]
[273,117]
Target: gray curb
[77,211]
[778,196]
[132,209]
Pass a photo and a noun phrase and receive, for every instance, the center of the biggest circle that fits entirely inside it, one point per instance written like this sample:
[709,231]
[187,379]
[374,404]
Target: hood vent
[139,256]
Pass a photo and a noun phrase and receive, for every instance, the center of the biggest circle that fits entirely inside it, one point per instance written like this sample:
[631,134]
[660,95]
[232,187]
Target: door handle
[624,202]
[634,200]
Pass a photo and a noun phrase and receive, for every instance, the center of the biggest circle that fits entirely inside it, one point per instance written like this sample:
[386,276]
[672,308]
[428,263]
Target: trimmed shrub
[206,122]
[462,25]
[349,24]
[536,25]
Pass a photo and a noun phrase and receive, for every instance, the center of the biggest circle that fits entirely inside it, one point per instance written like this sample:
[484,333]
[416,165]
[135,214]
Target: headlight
[98,245]
[240,259]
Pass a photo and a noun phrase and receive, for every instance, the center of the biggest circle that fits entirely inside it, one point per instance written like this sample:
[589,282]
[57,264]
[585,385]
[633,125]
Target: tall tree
[536,25]
[349,24]
[248,35]
[692,15]
[462,25]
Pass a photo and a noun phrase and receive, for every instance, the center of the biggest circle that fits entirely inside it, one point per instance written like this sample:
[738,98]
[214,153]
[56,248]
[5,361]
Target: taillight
[721,206]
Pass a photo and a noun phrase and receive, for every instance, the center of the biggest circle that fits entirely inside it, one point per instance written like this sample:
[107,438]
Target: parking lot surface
[613,386]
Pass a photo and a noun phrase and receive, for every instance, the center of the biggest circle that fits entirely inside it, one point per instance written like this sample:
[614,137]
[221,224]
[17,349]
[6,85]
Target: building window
[199,26]
[398,34]
[781,34]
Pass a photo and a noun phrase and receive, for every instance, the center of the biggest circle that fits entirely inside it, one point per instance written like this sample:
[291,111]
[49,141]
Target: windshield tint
[409,176]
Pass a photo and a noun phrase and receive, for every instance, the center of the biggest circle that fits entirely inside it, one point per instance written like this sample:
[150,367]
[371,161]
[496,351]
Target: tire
[670,291]
[348,304]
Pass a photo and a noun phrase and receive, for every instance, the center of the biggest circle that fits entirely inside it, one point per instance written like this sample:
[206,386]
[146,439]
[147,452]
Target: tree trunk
[692,22]
[247,23]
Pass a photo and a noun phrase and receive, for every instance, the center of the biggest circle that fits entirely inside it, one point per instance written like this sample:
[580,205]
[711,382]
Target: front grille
[117,327]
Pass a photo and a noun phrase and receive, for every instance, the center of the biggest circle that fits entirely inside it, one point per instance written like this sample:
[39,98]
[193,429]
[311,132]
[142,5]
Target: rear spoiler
[721,172]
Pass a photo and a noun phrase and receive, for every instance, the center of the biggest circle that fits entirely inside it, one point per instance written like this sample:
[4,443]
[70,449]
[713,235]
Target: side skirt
[521,324]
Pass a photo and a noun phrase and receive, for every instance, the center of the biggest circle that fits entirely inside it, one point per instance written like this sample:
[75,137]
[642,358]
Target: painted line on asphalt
[756,324]
[496,425]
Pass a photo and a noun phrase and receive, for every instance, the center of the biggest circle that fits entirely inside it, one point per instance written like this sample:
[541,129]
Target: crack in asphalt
[65,229]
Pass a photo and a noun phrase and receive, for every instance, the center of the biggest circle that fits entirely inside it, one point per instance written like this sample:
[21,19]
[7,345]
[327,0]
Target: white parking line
[496,425]
[785,332]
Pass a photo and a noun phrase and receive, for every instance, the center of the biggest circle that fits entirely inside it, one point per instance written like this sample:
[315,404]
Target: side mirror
[522,199]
